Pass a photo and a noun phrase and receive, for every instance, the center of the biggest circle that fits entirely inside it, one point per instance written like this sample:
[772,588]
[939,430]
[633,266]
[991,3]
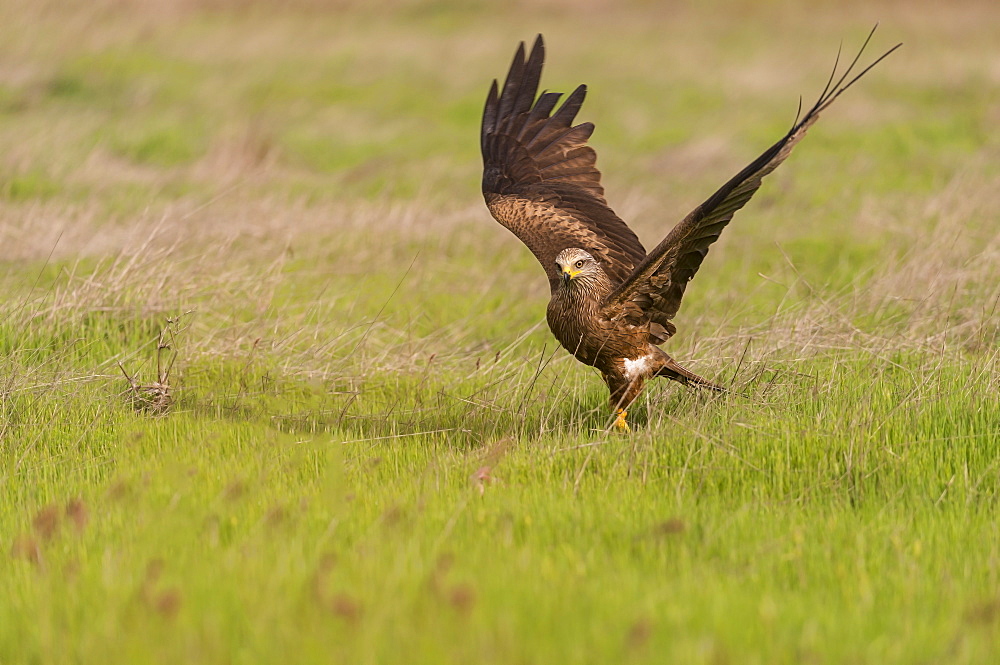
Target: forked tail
[672,370]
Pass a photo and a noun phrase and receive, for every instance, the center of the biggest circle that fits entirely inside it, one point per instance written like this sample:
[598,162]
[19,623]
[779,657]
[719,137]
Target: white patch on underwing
[636,368]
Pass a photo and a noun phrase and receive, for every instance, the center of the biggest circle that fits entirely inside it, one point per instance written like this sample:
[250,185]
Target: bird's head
[576,265]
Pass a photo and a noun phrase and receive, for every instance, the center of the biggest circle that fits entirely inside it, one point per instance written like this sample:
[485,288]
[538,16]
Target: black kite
[612,302]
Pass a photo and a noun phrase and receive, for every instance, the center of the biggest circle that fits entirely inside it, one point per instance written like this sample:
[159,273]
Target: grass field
[376,453]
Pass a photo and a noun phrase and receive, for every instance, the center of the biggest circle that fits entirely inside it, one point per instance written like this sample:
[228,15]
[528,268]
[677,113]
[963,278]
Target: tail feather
[674,371]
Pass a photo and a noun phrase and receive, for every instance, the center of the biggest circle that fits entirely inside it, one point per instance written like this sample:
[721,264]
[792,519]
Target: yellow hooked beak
[568,273]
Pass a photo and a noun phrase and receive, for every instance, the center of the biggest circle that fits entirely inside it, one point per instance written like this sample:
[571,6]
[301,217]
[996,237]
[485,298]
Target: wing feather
[535,121]
[653,292]
[540,178]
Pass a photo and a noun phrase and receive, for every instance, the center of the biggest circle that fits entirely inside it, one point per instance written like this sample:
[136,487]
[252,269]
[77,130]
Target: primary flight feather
[612,304]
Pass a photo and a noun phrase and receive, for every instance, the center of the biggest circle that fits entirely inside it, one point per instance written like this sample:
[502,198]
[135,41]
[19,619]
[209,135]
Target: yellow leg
[620,423]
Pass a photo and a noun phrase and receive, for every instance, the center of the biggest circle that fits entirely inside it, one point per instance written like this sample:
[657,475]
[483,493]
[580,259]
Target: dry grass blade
[156,398]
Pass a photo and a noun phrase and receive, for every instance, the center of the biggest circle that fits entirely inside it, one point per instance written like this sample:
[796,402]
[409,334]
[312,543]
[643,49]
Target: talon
[620,424]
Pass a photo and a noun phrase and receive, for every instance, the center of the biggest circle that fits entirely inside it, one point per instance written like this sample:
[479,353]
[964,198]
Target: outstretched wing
[539,175]
[653,292]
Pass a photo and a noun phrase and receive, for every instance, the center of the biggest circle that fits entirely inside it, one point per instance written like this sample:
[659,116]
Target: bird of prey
[612,303]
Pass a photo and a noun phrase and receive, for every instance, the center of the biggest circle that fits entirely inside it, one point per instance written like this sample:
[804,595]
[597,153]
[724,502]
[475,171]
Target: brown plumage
[612,303]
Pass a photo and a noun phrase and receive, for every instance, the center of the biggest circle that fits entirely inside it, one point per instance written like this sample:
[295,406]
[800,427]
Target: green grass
[376,453]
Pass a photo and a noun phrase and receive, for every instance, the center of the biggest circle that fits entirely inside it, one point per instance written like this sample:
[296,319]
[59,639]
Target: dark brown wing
[539,175]
[653,292]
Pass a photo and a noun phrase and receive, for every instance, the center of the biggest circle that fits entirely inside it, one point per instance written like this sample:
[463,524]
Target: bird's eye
[579,264]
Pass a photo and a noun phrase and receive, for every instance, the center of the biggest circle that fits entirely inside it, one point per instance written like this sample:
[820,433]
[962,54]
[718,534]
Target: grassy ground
[375,451]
